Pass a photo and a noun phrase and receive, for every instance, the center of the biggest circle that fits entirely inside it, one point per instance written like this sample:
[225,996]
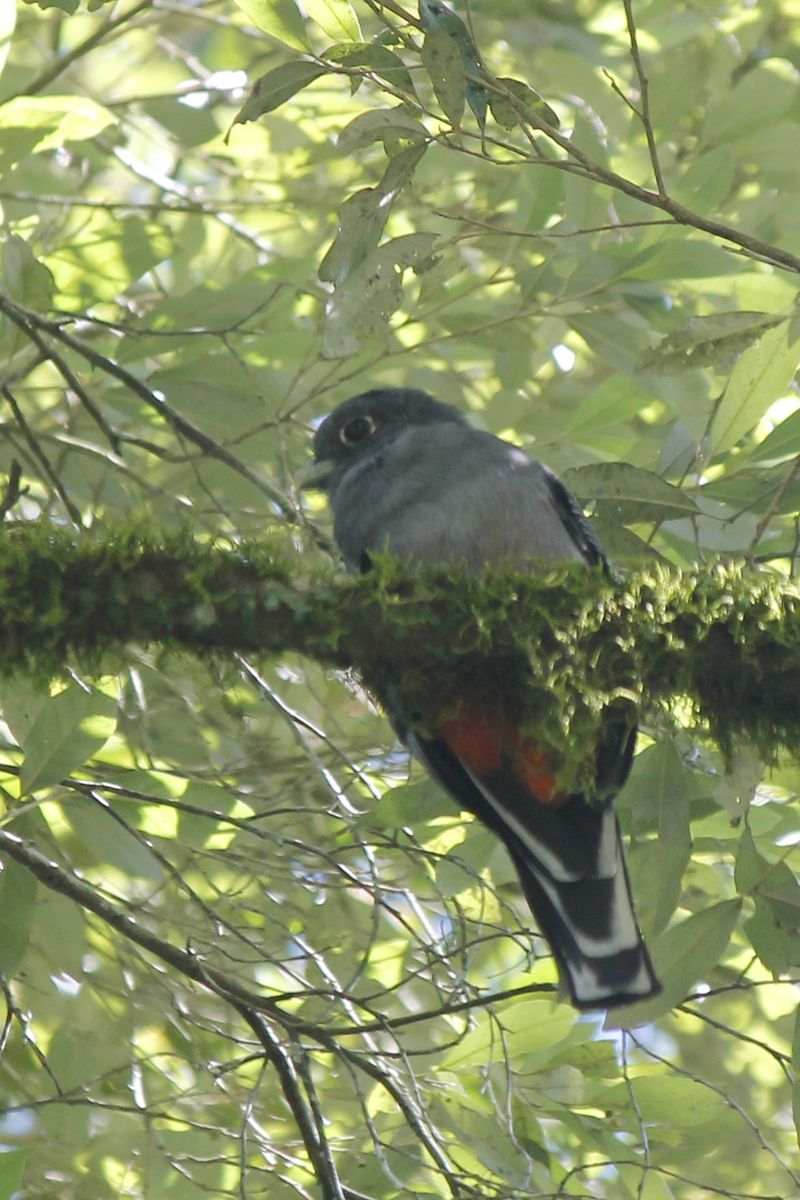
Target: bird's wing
[572,518]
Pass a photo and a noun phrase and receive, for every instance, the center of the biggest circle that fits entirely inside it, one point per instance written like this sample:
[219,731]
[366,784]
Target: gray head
[359,426]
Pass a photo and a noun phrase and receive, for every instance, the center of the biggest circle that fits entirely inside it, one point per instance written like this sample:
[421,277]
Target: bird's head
[359,425]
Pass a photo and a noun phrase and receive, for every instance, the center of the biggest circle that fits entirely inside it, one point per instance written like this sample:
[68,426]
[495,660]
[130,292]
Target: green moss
[557,649]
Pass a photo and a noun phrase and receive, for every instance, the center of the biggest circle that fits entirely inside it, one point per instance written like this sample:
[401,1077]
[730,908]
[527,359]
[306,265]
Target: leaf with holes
[363,304]
[445,66]
[714,341]
[629,493]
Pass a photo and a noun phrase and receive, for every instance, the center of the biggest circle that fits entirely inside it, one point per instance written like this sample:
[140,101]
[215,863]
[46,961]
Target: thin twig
[783,1060]
[644,94]
[729,1100]
[75,385]
[13,490]
[326,1166]
[42,459]
[773,508]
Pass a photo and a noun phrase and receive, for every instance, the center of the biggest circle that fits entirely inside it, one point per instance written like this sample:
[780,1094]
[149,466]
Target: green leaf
[444,63]
[774,940]
[276,87]
[631,493]
[67,730]
[691,949]
[390,125]
[59,932]
[676,1103]
[621,544]
[681,955]
[12,1165]
[22,703]
[439,19]
[761,376]
[761,96]
[688,396]
[378,60]
[8,20]
[439,16]
[72,1056]
[782,443]
[107,256]
[773,928]
[408,804]
[617,399]
[796,1072]
[751,869]
[658,795]
[363,217]
[678,258]
[59,119]
[361,307]
[657,878]
[535,1028]
[615,340]
[18,893]
[654,1187]
[506,114]
[24,278]
[708,341]
[279,18]
[400,169]
[335,18]
[707,181]
[107,842]
[454,875]
[31,124]
[477,97]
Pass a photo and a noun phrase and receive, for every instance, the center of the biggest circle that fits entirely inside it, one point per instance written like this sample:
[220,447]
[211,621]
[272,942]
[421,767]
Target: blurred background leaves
[195,269]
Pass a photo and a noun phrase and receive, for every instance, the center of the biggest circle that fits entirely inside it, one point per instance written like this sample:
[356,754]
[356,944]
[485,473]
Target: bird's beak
[314,476]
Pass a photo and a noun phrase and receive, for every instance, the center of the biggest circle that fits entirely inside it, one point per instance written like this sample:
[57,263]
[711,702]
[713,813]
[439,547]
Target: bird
[406,474]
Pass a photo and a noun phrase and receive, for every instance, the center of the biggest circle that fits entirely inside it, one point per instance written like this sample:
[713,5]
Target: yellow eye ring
[358,429]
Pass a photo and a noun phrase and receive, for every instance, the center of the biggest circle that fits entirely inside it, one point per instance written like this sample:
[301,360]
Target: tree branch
[680,214]
[564,645]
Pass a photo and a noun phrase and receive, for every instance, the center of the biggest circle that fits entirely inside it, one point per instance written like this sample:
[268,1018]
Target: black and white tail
[571,864]
[590,924]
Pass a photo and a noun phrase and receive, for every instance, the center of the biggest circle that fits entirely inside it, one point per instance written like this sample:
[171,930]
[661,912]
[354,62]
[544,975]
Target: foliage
[242,952]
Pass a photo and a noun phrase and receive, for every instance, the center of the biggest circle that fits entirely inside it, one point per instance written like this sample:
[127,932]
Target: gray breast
[444,494]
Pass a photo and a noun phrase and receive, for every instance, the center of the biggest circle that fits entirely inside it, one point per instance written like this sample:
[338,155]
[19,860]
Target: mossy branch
[565,645]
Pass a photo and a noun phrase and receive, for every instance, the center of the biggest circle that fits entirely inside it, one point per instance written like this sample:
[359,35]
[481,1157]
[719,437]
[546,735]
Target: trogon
[406,474]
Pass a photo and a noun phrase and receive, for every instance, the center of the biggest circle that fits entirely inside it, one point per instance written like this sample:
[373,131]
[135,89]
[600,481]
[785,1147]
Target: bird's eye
[357,430]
